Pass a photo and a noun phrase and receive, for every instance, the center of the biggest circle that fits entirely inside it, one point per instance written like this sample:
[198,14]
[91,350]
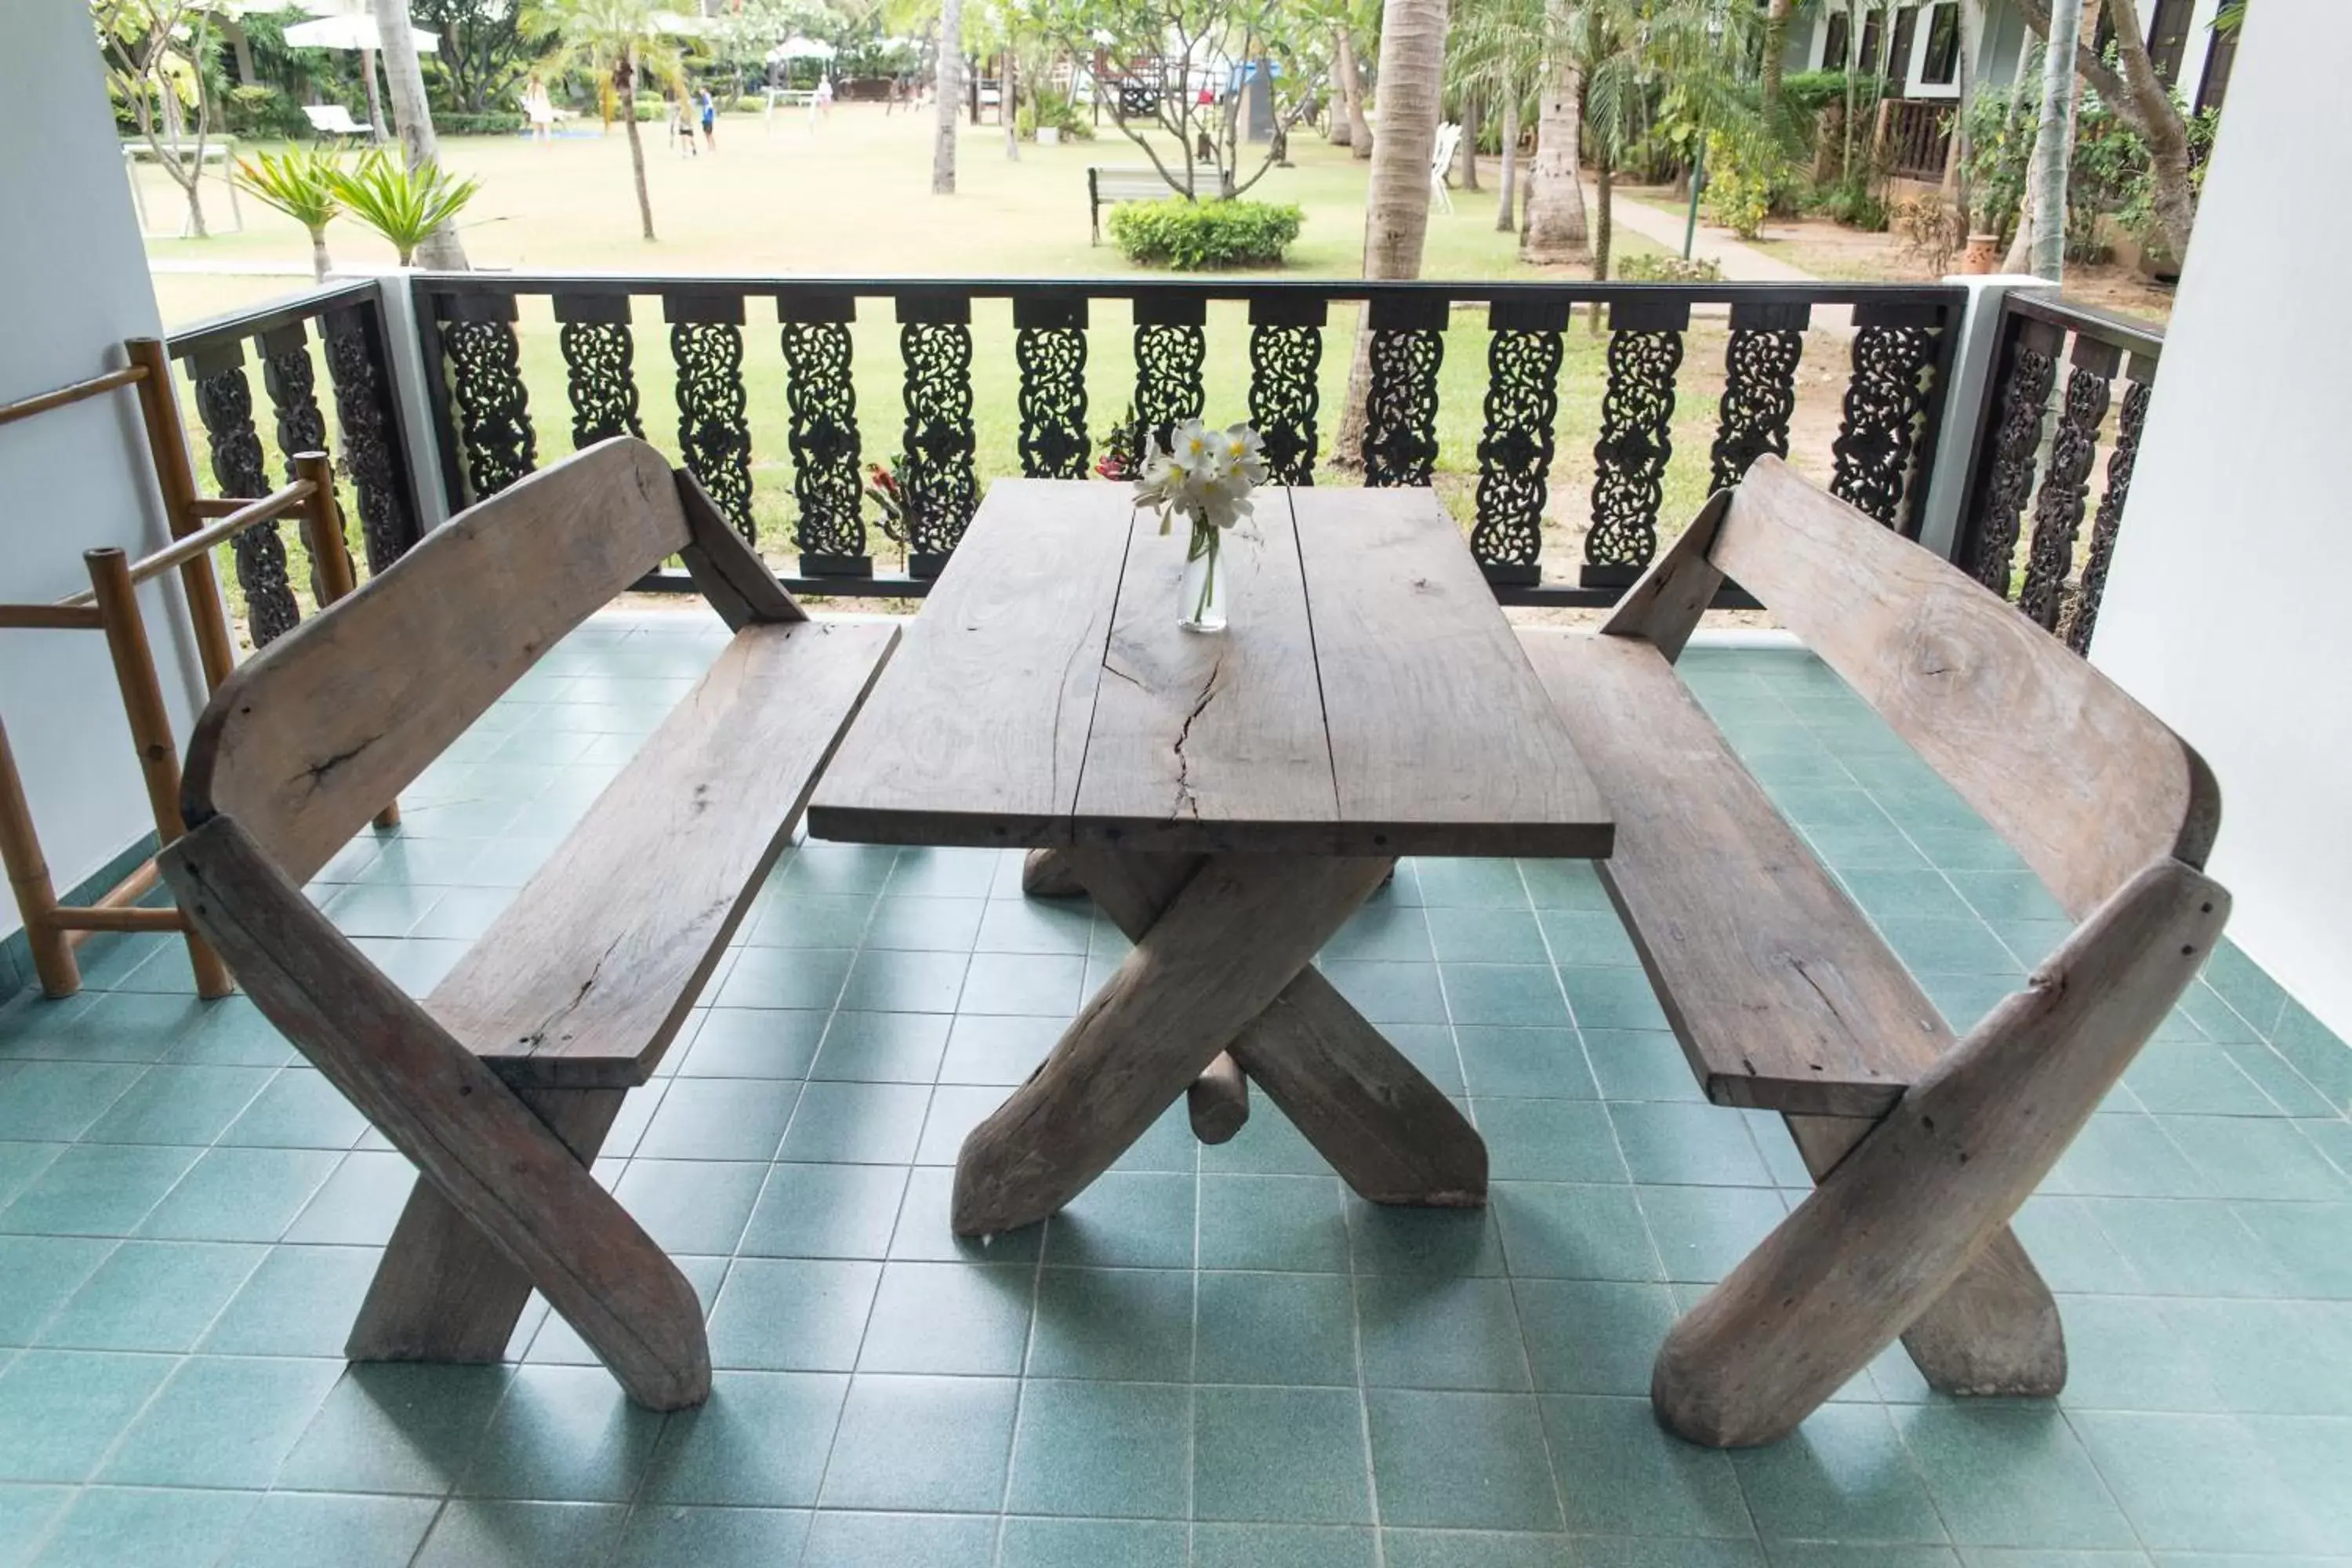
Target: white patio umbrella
[352,30]
[798,48]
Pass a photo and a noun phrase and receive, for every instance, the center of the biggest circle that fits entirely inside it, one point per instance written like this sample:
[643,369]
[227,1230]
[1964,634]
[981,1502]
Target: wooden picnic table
[1228,799]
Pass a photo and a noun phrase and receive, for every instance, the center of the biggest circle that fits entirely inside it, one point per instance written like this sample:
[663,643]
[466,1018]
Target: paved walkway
[1740,262]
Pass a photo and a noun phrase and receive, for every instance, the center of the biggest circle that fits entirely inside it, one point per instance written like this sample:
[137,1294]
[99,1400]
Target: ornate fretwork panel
[713,434]
[2066,488]
[1760,396]
[2007,483]
[600,378]
[1053,362]
[485,369]
[1886,404]
[224,408]
[2129,422]
[369,449]
[822,400]
[941,487]
[1637,414]
[1400,410]
[1285,398]
[293,387]
[1167,389]
[1515,455]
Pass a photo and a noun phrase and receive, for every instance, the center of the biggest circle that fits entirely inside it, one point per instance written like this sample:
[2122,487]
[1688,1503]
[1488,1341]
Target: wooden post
[150,727]
[28,874]
[167,448]
[331,558]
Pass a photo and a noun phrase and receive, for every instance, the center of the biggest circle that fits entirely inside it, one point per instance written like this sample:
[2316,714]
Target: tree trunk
[1556,226]
[1343,72]
[1504,218]
[1852,69]
[442,250]
[1008,105]
[2139,100]
[1468,150]
[1956,167]
[2054,140]
[1776,44]
[320,264]
[1351,83]
[948,96]
[1396,206]
[637,142]
[374,98]
[1604,172]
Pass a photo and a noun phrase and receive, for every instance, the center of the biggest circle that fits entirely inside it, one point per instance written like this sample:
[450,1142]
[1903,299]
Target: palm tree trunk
[1505,219]
[2054,140]
[1396,206]
[1469,148]
[637,142]
[1555,230]
[1776,44]
[320,264]
[1008,105]
[374,98]
[1343,76]
[949,94]
[1351,82]
[1604,173]
[418,146]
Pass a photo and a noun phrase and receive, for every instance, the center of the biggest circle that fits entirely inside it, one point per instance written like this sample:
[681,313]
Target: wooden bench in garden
[1107,187]
[1923,1145]
[501,1085]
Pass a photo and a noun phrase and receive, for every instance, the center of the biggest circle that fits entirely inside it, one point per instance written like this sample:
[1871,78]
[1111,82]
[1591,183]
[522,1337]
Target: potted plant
[2000,144]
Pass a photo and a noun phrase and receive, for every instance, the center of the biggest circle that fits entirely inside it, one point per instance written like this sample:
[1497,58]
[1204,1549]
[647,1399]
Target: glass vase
[1200,602]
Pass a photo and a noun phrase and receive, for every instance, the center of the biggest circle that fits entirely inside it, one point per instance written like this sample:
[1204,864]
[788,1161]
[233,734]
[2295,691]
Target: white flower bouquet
[1206,476]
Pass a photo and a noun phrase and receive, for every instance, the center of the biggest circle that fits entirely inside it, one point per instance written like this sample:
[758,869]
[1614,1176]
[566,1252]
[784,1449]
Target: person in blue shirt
[709,119]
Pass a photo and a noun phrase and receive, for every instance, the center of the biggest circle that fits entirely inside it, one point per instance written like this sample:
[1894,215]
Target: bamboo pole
[150,727]
[28,875]
[167,448]
[41,403]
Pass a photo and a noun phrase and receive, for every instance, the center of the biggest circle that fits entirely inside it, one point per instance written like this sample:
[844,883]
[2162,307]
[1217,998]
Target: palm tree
[949,93]
[414,118]
[623,42]
[1555,230]
[299,182]
[1496,51]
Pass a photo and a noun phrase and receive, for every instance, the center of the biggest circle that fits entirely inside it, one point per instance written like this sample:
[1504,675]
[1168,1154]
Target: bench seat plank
[586,977]
[1781,994]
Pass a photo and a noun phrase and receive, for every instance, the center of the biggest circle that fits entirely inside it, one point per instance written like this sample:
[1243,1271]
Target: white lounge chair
[334,120]
[1449,141]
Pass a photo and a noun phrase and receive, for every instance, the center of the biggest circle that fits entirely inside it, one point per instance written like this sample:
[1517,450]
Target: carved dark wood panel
[2007,484]
[1168,386]
[1516,451]
[292,384]
[2066,485]
[370,445]
[1053,364]
[224,408]
[1400,416]
[2129,422]
[485,370]
[1760,397]
[1637,413]
[599,367]
[937,476]
[1286,352]
[1886,404]
[822,397]
[713,435]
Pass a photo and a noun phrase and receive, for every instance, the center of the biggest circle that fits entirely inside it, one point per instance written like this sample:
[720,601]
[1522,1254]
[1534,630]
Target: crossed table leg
[1223,946]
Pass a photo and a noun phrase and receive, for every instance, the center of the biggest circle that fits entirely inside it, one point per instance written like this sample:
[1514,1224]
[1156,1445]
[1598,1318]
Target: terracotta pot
[1982,254]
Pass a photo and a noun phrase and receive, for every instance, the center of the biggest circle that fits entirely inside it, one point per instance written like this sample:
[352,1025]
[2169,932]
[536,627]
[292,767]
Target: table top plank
[1443,741]
[1211,741]
[976,732]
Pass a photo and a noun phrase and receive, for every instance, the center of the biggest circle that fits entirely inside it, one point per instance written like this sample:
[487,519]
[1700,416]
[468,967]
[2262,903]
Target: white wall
[2226,609]
[73,285]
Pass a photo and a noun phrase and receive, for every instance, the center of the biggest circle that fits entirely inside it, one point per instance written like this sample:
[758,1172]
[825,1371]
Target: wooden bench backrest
[2085,783]
[309,738]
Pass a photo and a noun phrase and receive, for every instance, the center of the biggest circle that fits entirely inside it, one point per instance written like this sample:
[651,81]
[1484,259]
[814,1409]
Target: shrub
[2000,144]
[495,123]
[1852,203]
[1815,90]
[1194,237]
[1744,178]
[264,113]
[1057,110]
[1667,269]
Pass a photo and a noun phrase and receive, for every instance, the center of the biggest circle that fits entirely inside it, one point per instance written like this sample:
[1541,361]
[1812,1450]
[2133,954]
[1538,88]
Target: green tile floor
[1216,1356]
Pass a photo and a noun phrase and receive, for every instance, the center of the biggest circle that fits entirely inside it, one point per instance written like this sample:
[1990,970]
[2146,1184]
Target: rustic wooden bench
[1108,186]
[501,1085]
[1922,1145]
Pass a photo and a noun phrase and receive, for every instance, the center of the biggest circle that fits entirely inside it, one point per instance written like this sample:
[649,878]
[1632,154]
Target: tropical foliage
[303,184]
[1193,237]
[403,204]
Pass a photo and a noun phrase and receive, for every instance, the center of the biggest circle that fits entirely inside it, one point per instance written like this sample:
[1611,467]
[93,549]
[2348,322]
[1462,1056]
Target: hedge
[1195,237]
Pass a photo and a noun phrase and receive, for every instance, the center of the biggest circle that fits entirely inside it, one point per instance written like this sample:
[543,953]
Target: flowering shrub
[1195,237]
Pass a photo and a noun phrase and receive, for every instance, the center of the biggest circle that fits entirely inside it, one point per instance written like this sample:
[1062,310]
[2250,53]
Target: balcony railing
[1915,137]
[1487,389]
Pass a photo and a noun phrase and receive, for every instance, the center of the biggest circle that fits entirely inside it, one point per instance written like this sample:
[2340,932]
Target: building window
[1941,65]
[1898,59]
[1865,59]
[1833,45]
[2220,55]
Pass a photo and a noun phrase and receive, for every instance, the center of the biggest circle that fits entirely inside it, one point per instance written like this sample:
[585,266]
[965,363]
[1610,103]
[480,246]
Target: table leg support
[1239,929]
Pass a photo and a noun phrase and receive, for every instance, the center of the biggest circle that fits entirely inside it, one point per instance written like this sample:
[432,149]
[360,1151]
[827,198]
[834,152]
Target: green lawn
[853,199]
